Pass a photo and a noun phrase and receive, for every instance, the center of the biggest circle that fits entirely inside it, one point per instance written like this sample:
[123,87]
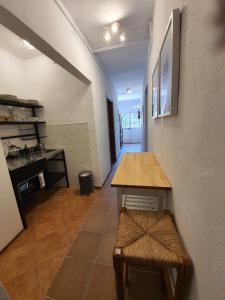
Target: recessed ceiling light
[115,27]
[122,37]
[28,45]
[129,91]
[107,35]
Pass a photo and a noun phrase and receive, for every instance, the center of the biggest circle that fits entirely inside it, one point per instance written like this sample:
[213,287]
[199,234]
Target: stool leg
[179,290]
[126,275]
[119,276]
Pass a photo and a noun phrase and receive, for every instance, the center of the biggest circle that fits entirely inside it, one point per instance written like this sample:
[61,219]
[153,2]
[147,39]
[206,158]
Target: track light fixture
[115,27]
[114,31]
[107,35]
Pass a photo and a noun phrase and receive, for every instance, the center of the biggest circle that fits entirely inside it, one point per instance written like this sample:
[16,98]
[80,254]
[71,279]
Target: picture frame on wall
[155,91]
[169,61]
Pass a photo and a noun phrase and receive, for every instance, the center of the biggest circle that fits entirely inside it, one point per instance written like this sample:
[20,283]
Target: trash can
[85,179]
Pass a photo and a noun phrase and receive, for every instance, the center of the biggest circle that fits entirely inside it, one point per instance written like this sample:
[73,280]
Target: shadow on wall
[74,139]
[219,20]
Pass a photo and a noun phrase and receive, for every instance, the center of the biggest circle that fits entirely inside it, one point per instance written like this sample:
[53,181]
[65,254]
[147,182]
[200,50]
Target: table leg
[119,199]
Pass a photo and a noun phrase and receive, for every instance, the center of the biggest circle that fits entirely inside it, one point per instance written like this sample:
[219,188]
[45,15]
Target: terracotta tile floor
[30,263]
[87,270]
[66,251]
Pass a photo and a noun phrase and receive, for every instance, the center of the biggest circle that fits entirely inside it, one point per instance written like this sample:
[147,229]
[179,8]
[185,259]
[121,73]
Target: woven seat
[150,239]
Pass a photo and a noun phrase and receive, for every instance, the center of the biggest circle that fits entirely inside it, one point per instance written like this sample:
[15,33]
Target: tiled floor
[131,148]
[87,271]
[29,264]
[66,251]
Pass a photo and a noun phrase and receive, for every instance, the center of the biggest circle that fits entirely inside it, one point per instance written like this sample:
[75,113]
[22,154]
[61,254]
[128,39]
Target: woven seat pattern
[150,238]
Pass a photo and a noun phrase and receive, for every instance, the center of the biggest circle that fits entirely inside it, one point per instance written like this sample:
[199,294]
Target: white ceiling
[13,44]
[124,63]
[126,67]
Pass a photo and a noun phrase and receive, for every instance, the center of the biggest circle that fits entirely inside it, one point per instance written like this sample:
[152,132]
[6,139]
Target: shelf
[21,122]
[55,176]
[21,136]
[19,104]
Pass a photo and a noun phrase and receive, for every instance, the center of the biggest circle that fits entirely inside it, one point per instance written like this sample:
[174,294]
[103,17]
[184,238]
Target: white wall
[58,33]
[12,82]
[190,146]
[128,105]
[68,111]
[68,108]
[11,74]
[63,96]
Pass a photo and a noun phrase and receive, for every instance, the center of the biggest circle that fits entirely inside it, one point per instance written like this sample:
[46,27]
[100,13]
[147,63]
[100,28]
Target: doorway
[130,121]
[111,131]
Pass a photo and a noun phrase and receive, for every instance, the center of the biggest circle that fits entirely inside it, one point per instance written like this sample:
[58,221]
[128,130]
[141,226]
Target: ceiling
[124,63]
[13,44]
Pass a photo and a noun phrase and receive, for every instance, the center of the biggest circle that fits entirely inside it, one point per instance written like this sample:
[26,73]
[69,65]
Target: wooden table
[140,174]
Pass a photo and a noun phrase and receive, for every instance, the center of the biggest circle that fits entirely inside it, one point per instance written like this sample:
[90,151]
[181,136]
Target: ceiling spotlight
[28,45]
[122,37]
[129,91]
[115,27]
[115,32]
[107,35]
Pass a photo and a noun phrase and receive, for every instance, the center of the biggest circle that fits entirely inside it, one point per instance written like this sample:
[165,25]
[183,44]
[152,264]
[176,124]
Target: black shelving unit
[53,177]
[20,122]
[31,135]
[16,103]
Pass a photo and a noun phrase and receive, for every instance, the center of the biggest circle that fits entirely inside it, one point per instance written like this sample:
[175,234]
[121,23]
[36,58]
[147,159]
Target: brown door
[111,131]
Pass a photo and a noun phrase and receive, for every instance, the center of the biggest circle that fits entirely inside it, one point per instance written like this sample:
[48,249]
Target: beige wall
[12,82]
[68,109]
[191,145]
[48,22]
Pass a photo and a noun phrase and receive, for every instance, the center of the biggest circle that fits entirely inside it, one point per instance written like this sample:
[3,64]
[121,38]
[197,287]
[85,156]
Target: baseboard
[119,154]
[97,187]
[100,187]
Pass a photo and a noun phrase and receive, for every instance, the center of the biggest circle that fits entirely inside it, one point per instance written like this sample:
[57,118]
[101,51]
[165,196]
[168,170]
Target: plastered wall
[191,145]
[68,109]
[58,33]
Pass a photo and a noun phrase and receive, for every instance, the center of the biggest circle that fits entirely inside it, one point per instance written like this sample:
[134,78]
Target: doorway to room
[130,122]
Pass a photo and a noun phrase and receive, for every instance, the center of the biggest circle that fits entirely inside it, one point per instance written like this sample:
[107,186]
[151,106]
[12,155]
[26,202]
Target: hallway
[131,148]
[93,80]
[87,270]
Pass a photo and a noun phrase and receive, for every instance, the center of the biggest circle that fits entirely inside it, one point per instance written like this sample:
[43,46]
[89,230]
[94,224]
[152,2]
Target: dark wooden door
[111,131]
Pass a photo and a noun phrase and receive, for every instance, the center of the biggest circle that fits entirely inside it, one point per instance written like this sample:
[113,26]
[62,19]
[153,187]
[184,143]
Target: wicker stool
[150,239]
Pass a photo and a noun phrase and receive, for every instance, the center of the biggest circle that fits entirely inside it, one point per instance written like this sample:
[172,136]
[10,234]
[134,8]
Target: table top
[140,170]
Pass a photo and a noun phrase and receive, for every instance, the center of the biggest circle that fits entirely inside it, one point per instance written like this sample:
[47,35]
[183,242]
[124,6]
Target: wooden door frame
[146,119]
[111,128]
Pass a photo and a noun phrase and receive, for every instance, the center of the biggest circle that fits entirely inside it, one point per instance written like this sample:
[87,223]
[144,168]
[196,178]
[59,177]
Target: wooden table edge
[141,187]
